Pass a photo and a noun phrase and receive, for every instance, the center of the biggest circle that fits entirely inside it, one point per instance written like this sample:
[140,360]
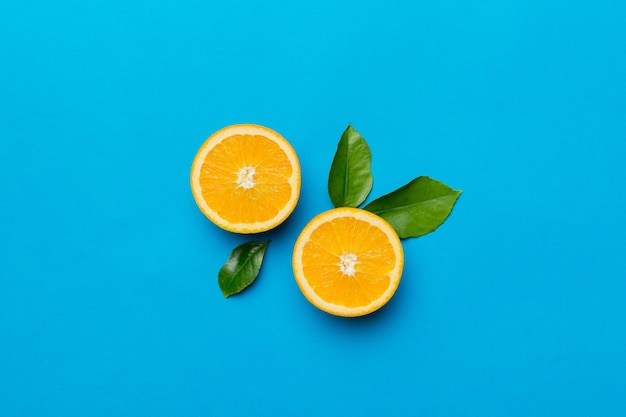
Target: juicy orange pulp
[348,262]
[246,178]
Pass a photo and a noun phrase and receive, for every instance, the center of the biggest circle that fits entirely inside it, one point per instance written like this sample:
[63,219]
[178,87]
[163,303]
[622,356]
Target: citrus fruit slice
[246,178]
[348,262]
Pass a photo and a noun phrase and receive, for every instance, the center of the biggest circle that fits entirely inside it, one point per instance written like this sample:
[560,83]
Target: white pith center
[245,177]
[347,263]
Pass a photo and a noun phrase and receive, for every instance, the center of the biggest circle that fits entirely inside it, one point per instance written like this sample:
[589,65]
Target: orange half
[348,262]
[246,178]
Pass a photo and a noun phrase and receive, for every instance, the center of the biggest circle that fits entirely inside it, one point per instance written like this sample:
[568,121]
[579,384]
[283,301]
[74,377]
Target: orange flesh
[219,174]
[342,236]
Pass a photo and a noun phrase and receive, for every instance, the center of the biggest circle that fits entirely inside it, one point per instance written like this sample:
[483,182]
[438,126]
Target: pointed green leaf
[350,179]
[417,208]
[242,267]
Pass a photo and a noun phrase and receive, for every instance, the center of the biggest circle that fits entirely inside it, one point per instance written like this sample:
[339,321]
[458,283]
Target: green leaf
[417,208]
[350,179]
[242,267]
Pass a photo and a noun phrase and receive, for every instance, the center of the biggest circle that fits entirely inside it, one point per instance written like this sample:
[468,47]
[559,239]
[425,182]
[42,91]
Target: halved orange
[348,262]
[246,178]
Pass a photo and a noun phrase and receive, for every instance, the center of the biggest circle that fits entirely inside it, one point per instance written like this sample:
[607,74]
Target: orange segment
[246,178]
[348,262]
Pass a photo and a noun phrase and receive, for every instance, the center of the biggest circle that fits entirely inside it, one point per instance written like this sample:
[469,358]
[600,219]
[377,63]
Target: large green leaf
[242,267]
[417,208]
[350,179]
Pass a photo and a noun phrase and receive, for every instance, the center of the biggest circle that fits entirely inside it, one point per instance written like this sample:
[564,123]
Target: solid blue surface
[109,303]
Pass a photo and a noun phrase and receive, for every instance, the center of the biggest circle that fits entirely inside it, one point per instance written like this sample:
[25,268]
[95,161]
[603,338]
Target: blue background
[109,303]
